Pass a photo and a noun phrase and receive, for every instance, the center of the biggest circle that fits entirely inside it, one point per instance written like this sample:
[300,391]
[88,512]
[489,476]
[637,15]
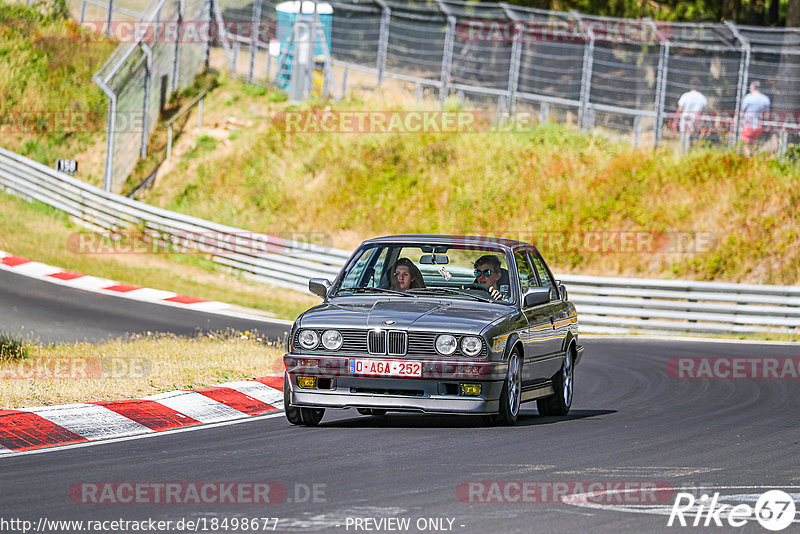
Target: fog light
[470,390]
[307,382]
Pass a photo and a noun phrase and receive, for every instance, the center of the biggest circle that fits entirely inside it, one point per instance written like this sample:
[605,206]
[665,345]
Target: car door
[537,333]
[556,311]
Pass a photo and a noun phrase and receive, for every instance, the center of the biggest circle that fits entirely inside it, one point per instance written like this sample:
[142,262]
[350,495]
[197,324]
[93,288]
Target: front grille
[398,341]
[393,343]
[376,342]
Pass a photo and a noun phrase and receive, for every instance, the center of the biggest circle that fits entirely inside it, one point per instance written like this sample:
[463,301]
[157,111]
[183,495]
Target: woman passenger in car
[406,275]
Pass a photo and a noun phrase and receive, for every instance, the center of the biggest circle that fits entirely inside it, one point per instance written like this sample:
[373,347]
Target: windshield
[415,270]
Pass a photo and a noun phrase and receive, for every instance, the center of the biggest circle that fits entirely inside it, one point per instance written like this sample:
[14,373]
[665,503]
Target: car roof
[439,239]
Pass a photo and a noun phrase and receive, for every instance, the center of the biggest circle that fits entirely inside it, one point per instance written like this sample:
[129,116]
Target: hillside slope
[592,206]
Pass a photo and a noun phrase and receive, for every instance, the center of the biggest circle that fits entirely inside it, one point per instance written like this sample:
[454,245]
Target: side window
[526,277]
[544,274]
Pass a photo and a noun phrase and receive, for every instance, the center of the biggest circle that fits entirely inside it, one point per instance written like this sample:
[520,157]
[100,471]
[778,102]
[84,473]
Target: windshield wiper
[451,291]
[378,289]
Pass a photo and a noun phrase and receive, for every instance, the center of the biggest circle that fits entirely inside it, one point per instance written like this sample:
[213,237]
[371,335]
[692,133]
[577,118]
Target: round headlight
[471,345]
[331,339]
[446,344]
[308,339]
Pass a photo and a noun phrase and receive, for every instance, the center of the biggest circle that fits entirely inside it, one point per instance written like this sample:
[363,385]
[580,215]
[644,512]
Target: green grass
[47,67]
[12,347]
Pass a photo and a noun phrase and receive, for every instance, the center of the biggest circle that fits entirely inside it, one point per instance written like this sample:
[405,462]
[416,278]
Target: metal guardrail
[282,262]
[605,305]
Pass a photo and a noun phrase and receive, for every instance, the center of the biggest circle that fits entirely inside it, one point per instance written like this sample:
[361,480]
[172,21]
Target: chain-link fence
[157,57]
[620,75]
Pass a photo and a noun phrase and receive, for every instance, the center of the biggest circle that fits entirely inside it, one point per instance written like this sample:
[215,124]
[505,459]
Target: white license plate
[384,367]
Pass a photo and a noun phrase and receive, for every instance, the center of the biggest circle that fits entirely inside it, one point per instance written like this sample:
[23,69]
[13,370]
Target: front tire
[297,415]
[511,396]
[563,383]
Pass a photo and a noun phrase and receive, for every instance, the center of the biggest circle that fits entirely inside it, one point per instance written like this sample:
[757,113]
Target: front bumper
[437,391]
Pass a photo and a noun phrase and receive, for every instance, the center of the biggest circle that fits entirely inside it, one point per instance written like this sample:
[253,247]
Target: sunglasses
[485,272]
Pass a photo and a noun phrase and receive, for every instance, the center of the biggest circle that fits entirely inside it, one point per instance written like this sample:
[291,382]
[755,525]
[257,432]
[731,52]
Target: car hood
[407,313]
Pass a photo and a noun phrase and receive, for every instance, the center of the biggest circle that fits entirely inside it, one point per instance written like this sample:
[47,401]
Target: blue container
[287,14]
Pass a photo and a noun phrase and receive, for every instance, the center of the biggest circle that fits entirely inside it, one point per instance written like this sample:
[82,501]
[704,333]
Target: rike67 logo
[774,510]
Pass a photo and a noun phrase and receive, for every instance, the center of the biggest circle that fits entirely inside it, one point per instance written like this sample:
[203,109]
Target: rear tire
[511,396]
[297,415]
[371,411]
[563,383]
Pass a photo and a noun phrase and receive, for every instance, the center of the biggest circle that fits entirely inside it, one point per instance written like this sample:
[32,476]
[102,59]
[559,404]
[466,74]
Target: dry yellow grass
[132,368]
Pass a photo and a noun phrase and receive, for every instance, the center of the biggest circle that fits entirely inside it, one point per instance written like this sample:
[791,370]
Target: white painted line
[89,283]
[13,454]
[635,337]
[197,406]
[34,268]
[90,421]
[258,391]
[210,306]
[146,294]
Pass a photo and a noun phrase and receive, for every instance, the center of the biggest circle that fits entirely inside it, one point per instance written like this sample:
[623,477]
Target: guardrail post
[383,38]
[254,39]
[637,131]
[661,91]
[544,112]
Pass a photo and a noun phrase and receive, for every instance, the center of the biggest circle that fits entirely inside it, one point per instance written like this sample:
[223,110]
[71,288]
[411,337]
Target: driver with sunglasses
[488,273]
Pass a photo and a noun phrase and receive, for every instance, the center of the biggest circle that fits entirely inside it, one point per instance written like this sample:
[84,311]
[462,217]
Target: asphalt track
[630,422]
[52,313]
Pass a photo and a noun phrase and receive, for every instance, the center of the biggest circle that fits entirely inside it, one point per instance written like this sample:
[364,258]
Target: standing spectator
[755,106]
[691,105]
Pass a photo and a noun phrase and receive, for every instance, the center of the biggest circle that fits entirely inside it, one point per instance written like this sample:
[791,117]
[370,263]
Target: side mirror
[536,296]
[562,291]
[319,287]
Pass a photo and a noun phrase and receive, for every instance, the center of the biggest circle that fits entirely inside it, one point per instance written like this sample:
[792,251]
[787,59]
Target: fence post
[207,45]
[586,78]
[447,59]
[223,33]
[516,54]
[148,75]
[110,15]
[637,131]
[383,38]
[83,11]
[744,72]
[176,64]
[661,91]
[254,39]
[447,53]
[112,121]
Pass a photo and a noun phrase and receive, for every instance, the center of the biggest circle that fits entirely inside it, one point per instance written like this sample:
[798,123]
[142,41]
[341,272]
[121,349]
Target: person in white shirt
[691,105]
